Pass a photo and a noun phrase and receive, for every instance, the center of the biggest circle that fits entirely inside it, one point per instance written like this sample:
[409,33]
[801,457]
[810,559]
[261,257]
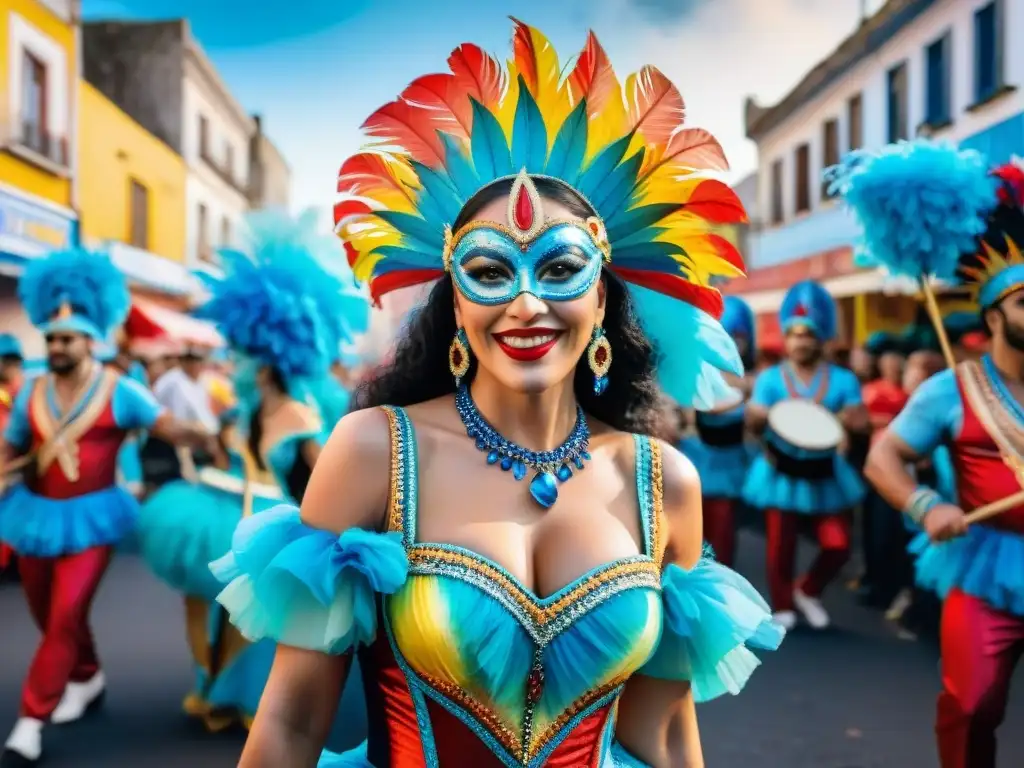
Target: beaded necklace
[551,467]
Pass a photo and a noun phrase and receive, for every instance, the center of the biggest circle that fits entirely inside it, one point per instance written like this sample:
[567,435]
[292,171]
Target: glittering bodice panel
[520,671]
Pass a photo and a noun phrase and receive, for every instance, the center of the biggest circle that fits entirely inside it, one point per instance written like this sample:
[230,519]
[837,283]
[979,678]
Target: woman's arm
[657,720]
[348,489]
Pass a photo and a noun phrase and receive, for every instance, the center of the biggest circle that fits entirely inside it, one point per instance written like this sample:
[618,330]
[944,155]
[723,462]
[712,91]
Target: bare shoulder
[298,417]
[681,506]
[350,483]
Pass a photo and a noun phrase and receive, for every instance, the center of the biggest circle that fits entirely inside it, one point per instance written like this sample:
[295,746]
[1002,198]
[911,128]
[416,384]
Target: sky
[316,72]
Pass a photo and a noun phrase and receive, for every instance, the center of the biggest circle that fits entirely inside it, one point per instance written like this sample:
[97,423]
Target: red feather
[443,104]
[728,252]
[693,149]
[393,281]
[716,202]
[678,287]
[361,174]
[524,54]
[404,125]
[593,78]
[349,208]
[1012,176]
[351,254]
[478,74]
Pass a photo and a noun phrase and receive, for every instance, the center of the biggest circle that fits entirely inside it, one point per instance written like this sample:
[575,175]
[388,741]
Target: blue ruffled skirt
[183,527]
[767,488]
[986,563]
[36,526]
[722,471]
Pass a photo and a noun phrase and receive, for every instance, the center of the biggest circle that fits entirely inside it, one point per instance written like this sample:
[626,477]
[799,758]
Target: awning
[148,320]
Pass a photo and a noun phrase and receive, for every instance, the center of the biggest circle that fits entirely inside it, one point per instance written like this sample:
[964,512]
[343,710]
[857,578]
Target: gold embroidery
[396,501]
[540,742]
[658,508]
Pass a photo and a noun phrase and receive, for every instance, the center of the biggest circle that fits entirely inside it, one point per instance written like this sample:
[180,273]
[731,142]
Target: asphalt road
[855,696]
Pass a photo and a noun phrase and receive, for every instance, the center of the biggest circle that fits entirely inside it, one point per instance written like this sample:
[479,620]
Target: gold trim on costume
[1004,429]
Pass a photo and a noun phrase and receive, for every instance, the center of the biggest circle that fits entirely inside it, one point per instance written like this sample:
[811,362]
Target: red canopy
[148,320]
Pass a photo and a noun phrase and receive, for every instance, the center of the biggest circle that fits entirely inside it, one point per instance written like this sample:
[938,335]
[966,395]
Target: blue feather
[415,231]
[921,205]
[491,156]
[88,281]
[617,190]
[460,170]
[438,193]
[570,147]
[636,237]
[529,134]
[625,256]
[594,177]
[626,222]
[396,259]
[738,319]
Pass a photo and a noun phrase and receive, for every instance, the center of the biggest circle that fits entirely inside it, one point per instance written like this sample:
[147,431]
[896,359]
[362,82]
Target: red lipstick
[527,345]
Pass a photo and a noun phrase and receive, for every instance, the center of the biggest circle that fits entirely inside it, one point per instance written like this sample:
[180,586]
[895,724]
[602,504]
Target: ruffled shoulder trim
[306,587]
[713,618]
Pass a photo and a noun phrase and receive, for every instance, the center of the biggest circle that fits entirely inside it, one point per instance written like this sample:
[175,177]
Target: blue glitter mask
[554,260]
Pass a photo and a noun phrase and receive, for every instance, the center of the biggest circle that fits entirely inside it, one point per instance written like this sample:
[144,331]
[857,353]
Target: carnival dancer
[12,375]
[802,406]
[282,313]
[720,451]
[932,211]
[517,635]
[66,517]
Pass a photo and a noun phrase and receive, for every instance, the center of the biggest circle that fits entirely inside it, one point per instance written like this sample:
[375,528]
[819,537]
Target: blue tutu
[986,562]
[36,526]
[767,488]
[183,527]
[722,471]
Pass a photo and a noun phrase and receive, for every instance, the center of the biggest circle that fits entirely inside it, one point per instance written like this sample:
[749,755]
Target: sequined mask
[553,259]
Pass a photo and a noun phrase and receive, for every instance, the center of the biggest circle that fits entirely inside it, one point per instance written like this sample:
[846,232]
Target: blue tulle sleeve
[713,618]
[306,587]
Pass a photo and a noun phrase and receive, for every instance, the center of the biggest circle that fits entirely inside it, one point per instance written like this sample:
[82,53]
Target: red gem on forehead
[522,212]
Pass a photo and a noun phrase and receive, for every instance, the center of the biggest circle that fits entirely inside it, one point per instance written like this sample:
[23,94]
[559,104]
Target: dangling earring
[458,356]
[599,355]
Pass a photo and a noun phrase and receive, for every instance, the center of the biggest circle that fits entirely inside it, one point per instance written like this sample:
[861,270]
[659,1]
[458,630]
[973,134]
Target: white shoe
[812,609]
[26,739]
[785,619]
[77,699]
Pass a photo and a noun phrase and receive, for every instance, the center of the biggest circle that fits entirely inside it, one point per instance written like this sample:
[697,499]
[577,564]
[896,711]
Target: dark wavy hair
[633,402]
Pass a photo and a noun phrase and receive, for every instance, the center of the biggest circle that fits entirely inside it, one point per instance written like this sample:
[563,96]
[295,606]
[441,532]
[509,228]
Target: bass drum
[803,439]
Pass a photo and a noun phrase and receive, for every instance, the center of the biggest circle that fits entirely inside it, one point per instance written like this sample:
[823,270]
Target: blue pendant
[544,489]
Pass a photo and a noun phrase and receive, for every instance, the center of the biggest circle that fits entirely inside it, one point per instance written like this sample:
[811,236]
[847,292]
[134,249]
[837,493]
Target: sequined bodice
[520,672]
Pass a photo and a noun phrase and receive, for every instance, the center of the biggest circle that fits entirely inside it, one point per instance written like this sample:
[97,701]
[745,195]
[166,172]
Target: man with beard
[977,411]
[67,515]
[792,483]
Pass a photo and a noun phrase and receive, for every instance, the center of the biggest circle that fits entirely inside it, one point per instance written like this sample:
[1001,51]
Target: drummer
[719,450]
[792,484]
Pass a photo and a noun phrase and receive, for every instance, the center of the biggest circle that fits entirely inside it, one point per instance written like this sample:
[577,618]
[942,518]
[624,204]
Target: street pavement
[855,696]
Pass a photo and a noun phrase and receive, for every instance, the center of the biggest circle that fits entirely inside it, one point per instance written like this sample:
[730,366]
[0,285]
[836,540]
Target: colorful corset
[464,665]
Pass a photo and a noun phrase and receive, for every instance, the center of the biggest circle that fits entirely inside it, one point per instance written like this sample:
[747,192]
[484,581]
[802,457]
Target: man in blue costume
[66,516]
[792,485]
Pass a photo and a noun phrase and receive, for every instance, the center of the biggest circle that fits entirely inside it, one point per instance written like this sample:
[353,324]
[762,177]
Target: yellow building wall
[114,150]
[14,171]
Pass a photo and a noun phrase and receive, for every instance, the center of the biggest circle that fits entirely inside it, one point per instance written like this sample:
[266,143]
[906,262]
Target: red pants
[980,648]
[60,592]
[833,533]
[720,528]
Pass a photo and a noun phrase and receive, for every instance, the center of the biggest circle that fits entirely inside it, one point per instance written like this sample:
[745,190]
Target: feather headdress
[624,149]
[738,319]
[278,301]
[75,290]
[810,304]
[931,210]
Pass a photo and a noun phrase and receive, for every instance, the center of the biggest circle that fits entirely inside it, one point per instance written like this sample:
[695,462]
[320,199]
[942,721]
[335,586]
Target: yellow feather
[550,93]
[506,113]
[607,126]
[667,185]
[702,256]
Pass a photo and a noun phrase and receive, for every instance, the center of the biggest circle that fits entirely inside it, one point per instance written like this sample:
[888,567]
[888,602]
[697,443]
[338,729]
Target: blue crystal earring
[458,356]
[599,355]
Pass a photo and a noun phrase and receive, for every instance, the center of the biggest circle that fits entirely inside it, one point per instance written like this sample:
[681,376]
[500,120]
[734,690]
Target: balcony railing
[225,173]
[38,143]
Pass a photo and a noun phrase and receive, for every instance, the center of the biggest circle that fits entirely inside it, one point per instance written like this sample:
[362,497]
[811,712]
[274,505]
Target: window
[202,239]
[139,215]
[229,159]
[830,151]
[897,103]
[33,104]
[855,121]
[803,178]
[988,51]
[225,232]
[937,72]
[204,137]
[777,209]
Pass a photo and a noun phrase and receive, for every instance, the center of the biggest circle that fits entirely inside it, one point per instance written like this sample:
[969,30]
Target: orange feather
[656,108]
[399,124]
[716,202]
[535,59]
[688,150]
[442,102]
[594,79]
[369,174]
[479,75]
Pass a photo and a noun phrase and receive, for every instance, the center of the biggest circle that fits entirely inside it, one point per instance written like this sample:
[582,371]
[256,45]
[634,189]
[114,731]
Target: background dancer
[720,451]
[792,483]
[66,518]
[923,207]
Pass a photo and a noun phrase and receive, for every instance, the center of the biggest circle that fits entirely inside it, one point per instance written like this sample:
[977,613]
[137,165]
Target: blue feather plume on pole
[921,205]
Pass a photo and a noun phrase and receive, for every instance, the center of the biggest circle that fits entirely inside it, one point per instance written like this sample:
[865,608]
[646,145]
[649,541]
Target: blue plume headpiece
[75,290]
[278,301]
[10,346]
[922,205]
[739,319]
[807,303]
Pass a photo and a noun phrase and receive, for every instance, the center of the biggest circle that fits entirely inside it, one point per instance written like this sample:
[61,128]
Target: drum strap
[793,384]
[997,422]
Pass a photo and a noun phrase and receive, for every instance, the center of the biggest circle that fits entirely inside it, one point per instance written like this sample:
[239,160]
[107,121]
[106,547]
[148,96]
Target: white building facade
[215,143]
[948,69]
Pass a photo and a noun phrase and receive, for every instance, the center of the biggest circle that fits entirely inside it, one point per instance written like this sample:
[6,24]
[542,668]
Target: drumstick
[995,508]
